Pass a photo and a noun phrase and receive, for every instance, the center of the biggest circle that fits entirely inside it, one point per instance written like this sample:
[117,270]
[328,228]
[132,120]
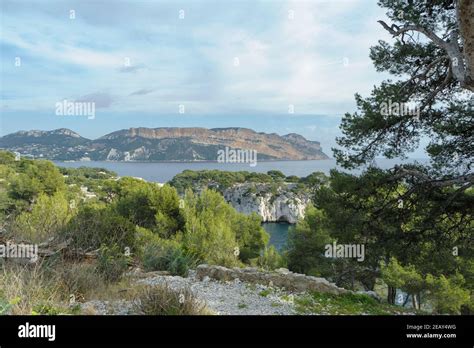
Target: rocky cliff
[273,204]
[161,144]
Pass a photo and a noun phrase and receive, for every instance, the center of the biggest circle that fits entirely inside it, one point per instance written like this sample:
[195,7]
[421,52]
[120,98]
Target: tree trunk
[465,14]
[414,301]
[406,301]
[391,295]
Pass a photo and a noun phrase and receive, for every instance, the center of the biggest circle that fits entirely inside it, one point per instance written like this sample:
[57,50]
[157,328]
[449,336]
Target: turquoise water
[278,233]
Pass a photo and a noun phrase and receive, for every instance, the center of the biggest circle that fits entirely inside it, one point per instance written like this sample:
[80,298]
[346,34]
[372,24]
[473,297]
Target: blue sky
[230,63]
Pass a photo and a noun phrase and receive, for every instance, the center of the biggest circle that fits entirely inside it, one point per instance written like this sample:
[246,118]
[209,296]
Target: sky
[273,66]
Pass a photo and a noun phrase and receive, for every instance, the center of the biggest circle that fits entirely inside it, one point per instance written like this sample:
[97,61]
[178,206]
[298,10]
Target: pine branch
[451,48]
[426,179]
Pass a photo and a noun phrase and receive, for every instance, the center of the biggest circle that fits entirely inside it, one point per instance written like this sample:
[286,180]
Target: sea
[164,171]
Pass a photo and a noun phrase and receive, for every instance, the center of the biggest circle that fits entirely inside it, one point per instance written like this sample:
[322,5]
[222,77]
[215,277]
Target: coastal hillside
[160,144]
[273,196]
[82,240]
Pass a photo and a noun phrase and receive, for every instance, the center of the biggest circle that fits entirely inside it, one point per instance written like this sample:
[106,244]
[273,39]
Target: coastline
[178,161]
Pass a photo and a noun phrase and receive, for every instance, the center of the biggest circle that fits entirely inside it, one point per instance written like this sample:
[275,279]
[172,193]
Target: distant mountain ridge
[160,144]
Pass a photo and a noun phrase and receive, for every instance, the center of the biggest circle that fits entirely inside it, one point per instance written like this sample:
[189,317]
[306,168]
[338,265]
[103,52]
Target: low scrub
[168,257]
[79,279]
[96,225]
[112,262]
[330,304]
[163,300]
[25,289]
[270,259]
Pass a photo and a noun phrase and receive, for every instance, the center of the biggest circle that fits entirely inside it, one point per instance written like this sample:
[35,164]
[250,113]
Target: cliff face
[161,144]
[281,205]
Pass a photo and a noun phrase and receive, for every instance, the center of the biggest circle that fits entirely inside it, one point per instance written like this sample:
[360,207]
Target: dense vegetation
[130,221]
[121,221]
[41,203]
[415,221]
[221,180]
[436,266]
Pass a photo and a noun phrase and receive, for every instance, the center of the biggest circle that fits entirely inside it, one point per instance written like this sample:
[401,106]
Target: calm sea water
[165,171]
[278,233]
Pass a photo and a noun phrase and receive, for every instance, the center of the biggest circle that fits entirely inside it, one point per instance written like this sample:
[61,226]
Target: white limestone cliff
[281,204]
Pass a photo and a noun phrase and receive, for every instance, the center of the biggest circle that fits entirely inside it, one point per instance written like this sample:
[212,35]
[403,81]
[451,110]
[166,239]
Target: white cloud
[295,61]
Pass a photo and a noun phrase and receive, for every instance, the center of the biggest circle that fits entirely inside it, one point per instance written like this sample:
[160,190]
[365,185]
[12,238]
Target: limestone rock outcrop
[281,278]
[282,205]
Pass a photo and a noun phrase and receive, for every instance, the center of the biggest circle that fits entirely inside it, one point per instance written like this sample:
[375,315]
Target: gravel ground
[221,298]
[96,307]
[232,298]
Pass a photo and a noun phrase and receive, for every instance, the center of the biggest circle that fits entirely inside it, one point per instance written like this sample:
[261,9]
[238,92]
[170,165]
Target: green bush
[35,177]
[250,235]
[447,294]
[112,262]
[78,278]
[162,300]
[45,220]
[145,236]
[208,232]
[168,256]
[306,245]
[46,309]
[149,206]
[270,259]
[217,233]
[97,225]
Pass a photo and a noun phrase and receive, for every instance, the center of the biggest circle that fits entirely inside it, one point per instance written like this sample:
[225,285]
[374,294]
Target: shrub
[46,309]
[35,177]
[209,228]
[6,305]
[78,279]
[306,243]
[250,235]
[145,236]
[163,300]
[447,294]
[47,217]
[23,288]
[158,254]
[96,225]
[276,174]
[167,255]
[270,259]
[112,262]
[150,206]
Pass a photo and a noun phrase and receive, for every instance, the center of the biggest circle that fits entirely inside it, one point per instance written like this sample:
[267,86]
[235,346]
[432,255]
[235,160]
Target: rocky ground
[221,298]
[249,291]
[232,297]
